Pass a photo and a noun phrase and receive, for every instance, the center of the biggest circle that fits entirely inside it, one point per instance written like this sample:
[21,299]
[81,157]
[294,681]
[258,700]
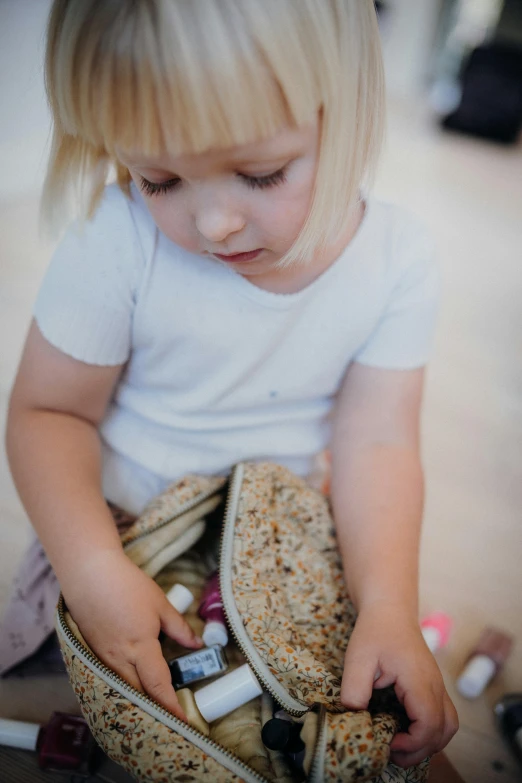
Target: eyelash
[268,181]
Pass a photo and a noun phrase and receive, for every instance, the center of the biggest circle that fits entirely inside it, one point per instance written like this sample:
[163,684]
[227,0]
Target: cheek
[173,220]
[287,211]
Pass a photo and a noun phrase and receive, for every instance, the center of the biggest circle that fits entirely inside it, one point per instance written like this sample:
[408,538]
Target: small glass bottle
[199,665]
[65,743]
[486,660]
[211,610]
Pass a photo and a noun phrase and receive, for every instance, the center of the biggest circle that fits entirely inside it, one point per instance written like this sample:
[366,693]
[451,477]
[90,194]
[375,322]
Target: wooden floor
[470,194]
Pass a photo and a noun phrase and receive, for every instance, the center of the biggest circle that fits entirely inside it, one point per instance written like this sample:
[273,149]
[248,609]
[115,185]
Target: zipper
[261,670]
[259,667]
[151,707]
[187,506]
[316,774]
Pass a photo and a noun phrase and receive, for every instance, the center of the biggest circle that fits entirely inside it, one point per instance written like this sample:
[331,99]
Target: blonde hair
[184,76]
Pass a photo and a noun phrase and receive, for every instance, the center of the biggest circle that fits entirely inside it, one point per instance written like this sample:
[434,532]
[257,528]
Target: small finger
[425,710]
[155,677]
[406,760]
[128,672]
[451,721]
[358,681]
[175,626]
[418,737]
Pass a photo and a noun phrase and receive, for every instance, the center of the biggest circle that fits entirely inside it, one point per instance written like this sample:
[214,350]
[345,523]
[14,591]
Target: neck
[295,278]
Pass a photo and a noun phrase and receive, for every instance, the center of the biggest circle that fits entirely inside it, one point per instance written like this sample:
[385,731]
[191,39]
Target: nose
[217,222]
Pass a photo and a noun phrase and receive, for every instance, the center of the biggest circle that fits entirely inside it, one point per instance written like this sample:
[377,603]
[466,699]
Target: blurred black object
[491,103]
[508,712]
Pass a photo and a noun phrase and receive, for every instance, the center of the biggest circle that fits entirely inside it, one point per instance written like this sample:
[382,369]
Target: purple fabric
[29,618]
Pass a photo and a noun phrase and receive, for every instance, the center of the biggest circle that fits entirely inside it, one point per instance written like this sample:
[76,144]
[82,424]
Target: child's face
[244,205]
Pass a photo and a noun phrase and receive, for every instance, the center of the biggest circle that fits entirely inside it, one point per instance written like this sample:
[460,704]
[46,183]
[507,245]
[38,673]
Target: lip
[238,258]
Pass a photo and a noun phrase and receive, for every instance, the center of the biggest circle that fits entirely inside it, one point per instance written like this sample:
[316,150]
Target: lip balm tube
[220,697]
[486,660]
[211,610]
[180,597]
[436,629]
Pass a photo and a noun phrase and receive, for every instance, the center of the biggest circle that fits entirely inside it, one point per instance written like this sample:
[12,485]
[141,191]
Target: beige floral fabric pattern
[171,502]
[393,774]
[145,747]
[357,745]
[288,583]
[288,586]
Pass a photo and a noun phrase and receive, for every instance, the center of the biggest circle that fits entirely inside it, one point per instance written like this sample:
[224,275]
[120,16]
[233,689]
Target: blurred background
[453,155]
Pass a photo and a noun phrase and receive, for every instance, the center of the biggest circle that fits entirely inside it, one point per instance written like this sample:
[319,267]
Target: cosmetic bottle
[219,698]
[436,629]
[211,611]
[486,660]
[508,712]
[65,743]
[285,736]
[198,665]
[180,597]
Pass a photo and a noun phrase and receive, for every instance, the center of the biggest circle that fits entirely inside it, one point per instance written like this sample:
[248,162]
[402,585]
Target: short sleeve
[86,301]
[403,337]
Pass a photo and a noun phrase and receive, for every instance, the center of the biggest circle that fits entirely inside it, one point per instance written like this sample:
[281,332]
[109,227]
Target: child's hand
[120,612]
[387,648]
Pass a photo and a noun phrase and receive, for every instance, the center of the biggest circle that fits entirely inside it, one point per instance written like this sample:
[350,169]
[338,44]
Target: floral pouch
[273,539]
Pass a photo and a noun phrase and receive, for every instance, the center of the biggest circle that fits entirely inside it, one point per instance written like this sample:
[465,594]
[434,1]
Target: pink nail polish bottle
[65,743]
[436,630]
[211,610]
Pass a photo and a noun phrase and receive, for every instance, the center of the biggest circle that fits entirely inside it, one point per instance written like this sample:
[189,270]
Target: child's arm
[377,494]
[53,446]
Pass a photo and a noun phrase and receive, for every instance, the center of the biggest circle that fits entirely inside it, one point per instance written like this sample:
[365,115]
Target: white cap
[17,734]
[228,693]
[215,633]
[476,676]
[431,637]
[180,597]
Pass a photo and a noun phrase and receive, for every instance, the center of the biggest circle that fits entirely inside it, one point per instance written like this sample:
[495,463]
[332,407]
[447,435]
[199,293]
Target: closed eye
[159,188]
[267,181]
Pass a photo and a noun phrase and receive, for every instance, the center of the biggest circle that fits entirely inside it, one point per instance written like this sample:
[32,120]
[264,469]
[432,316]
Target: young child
[236,295]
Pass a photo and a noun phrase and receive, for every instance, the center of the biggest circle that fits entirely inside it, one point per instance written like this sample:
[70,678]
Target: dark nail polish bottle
[196,666]
[508,712]
[285,736]
[65,743]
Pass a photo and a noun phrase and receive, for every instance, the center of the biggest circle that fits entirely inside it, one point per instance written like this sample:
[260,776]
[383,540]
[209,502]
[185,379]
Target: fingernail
[198,640]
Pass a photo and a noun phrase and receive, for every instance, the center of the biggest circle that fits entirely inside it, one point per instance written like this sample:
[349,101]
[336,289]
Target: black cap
[295,744]
[276,733]
[282,735]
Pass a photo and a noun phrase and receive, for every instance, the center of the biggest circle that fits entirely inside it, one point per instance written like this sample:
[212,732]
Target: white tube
[180,597]
[476,676]
[17,734]
[227,694]
[431,637]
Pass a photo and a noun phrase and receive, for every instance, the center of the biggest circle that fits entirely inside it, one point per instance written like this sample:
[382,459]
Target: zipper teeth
[187,506]
[316,767]
[98,666]
[235,483]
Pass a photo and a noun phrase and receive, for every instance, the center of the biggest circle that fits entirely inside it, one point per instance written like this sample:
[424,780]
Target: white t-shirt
[217,369]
